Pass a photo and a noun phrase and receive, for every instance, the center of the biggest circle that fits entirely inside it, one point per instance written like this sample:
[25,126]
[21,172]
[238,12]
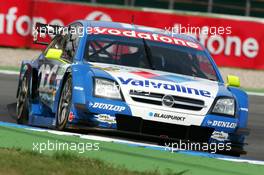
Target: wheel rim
[21,100]
[65,103]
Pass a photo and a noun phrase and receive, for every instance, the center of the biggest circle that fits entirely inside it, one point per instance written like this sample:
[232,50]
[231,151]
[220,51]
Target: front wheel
[64,104]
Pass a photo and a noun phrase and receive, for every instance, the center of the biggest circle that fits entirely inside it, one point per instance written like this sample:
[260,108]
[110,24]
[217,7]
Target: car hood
[159,82]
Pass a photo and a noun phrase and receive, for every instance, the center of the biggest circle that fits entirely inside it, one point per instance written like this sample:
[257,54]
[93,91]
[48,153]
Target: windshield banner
[232,41]
[144,35]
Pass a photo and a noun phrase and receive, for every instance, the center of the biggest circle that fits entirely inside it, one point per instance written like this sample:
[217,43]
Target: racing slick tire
[64,106]
[23,101]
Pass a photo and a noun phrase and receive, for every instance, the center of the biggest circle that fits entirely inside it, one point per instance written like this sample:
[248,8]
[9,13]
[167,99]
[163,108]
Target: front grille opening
[142,100]
[129,124]
[156,99]
[163,129]
[194,108]
[140,126]
[143,93]
[188,100]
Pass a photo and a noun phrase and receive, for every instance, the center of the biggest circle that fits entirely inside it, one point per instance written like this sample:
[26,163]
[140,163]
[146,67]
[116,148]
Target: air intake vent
[157,99]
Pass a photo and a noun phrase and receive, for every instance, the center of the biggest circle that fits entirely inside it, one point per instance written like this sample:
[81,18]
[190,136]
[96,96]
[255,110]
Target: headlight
[225,106]
[106,89]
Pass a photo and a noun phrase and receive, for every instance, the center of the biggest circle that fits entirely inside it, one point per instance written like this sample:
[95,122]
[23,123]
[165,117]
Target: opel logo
[168,100]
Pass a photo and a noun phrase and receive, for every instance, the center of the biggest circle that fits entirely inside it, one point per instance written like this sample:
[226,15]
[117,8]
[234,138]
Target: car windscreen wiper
[148,54]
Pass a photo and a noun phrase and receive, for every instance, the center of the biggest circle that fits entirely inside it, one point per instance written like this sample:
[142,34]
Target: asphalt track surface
[255,148]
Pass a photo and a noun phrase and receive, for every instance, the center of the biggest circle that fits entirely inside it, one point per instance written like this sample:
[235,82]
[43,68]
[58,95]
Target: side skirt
[39,116]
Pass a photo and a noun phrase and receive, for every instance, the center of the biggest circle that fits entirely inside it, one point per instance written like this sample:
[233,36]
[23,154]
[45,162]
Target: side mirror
[54,54]
[233,80]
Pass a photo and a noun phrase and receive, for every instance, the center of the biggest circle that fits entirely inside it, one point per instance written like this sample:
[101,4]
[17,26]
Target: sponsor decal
[53,122]
[145,35]
[166,116]
[220,136]
[221,124]
[108,107]
[71,117]
[106,118]
[244,109]
[165,86]
[78,88]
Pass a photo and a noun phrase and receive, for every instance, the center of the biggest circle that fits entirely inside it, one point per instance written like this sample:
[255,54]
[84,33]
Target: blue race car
[132,79]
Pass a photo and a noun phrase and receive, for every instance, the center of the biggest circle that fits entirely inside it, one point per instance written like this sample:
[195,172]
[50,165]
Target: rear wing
[45,31]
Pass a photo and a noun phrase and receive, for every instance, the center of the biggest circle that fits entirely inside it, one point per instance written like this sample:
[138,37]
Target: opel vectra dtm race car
[132,79]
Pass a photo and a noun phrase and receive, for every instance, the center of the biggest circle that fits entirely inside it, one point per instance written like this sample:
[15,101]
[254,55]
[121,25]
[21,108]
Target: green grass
[15,162]
[10,68]
[258,90]
[116,156]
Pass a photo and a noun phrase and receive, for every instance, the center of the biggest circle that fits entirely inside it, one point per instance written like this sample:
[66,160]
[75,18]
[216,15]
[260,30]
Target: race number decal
[46,74]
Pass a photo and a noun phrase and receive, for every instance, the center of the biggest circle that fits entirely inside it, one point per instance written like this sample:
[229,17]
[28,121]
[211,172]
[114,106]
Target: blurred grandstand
[254,8]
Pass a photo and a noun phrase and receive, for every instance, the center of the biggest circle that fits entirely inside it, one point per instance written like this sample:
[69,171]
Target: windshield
[141,53]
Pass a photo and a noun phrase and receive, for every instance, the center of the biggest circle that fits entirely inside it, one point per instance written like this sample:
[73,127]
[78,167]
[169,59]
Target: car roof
[139,28]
